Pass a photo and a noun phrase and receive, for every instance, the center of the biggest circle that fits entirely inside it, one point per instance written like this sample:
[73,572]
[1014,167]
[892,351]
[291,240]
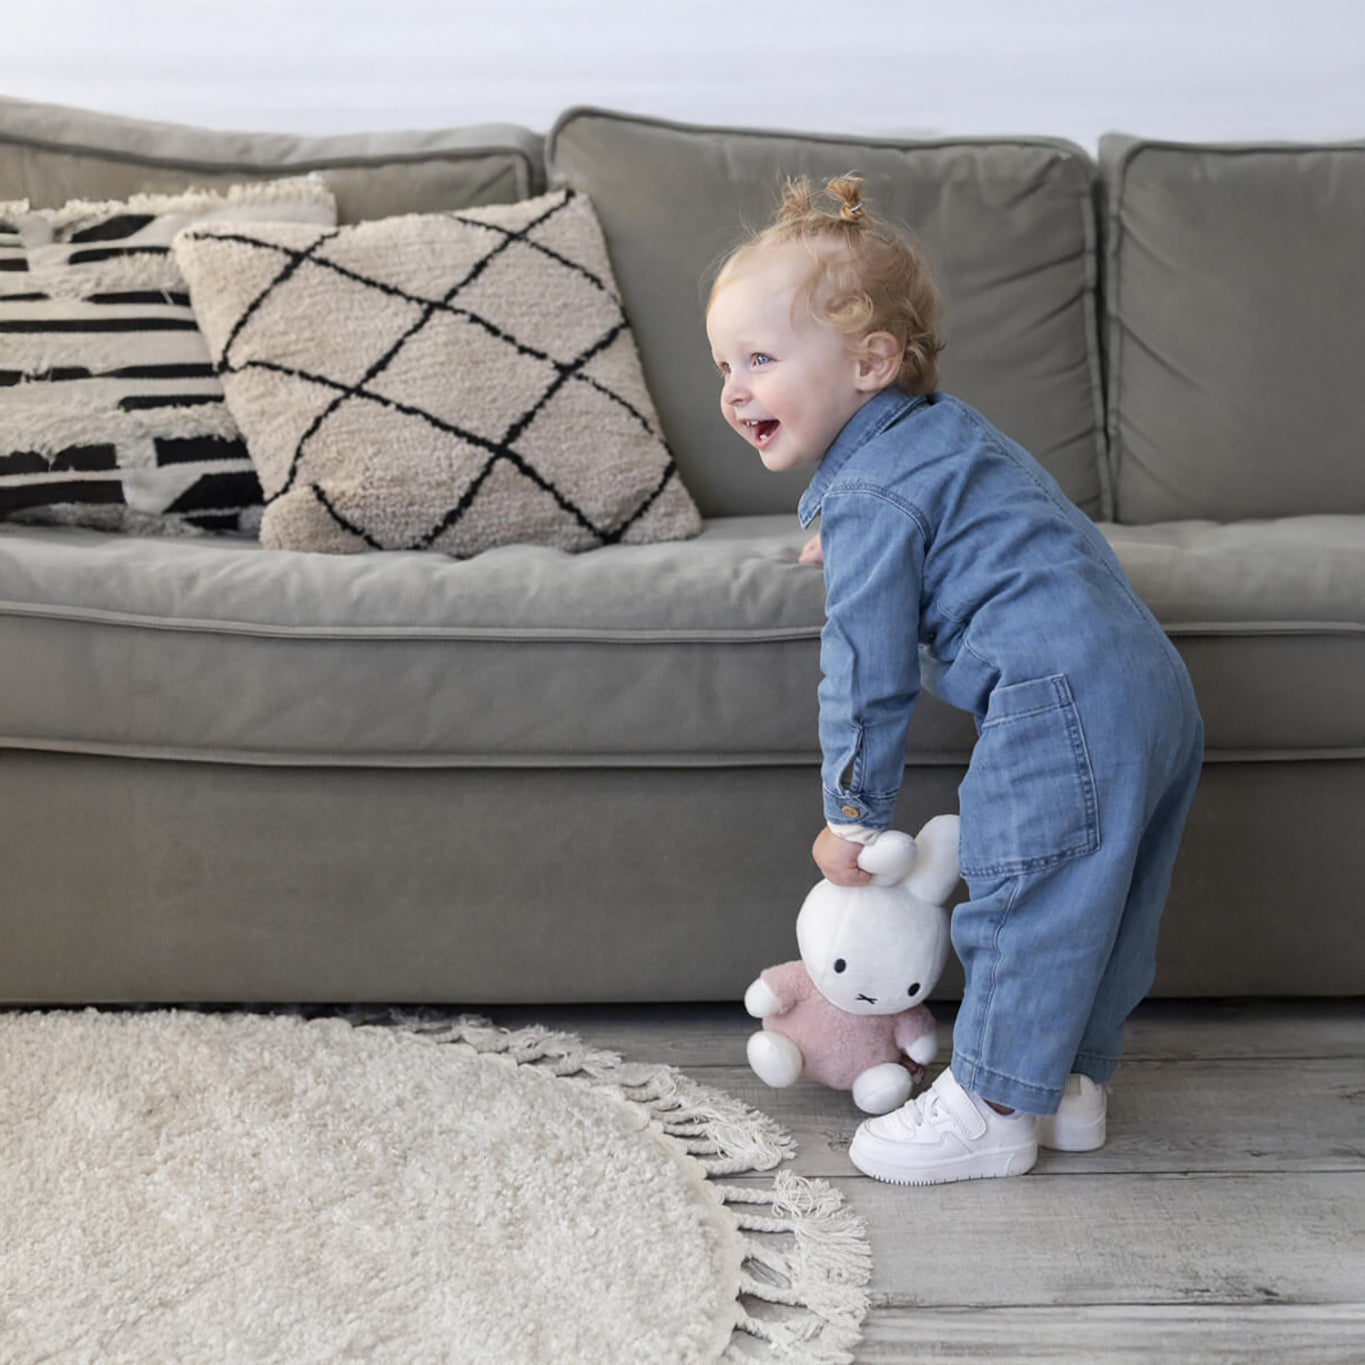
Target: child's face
[790,382]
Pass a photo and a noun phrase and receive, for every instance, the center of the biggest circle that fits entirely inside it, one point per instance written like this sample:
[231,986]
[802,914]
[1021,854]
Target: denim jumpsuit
[950,551]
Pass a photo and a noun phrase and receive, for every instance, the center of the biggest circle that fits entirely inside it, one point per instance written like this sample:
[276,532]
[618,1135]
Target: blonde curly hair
[866,275]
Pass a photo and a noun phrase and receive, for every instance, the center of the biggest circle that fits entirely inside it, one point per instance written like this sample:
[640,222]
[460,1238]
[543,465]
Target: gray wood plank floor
[1224,1221]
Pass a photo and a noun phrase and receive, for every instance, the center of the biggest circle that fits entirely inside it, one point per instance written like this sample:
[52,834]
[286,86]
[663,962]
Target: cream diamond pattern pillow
[449,381]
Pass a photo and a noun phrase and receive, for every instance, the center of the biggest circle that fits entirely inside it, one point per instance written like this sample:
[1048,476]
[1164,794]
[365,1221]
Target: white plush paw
[760,999]
[924,1049]
[882,1088]
[776,1060]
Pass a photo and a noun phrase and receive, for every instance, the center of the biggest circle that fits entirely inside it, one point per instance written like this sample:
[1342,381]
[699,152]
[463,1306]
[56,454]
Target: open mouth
[763,430]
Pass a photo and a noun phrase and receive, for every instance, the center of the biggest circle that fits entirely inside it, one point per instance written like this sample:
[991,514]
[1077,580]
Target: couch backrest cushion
[49,154]
[1008,224]
[1236,333]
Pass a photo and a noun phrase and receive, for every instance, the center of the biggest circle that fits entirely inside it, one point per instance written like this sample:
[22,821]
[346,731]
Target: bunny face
[872,949]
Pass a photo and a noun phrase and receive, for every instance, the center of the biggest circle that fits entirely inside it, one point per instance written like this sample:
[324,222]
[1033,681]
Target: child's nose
[733,391]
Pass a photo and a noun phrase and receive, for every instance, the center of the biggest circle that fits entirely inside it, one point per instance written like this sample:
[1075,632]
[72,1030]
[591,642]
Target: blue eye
[760,358]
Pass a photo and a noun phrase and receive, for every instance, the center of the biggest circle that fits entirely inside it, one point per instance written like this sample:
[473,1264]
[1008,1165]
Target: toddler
[946,545]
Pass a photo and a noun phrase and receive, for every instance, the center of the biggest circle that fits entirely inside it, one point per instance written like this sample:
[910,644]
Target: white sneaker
[944,1134]
[1079,1123]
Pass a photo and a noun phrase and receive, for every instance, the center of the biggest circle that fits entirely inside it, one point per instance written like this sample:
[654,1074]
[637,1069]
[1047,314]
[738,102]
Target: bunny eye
[839,964]
[914,990]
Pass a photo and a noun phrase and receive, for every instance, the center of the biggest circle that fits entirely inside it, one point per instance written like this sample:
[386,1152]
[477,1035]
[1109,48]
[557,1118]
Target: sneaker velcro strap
[959,1106]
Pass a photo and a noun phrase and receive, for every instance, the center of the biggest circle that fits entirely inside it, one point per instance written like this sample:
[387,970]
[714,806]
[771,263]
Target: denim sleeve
[869,651]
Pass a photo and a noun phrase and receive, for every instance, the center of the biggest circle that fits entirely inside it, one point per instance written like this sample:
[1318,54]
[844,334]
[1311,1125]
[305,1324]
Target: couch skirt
[136,880]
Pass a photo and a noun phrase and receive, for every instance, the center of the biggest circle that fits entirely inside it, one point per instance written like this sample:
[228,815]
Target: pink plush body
[836,1046]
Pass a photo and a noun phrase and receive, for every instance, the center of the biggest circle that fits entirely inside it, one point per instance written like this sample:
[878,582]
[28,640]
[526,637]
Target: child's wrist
[855,834]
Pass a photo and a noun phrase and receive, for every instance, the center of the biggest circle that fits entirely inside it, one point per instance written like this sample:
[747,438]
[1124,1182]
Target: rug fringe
[564,1054]
[726,1135]
[824,1270]
[807,1259]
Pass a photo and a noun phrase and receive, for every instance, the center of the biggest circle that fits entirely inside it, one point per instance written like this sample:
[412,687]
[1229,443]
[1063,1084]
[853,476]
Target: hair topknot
[798,199]
[848,189]
[866,276]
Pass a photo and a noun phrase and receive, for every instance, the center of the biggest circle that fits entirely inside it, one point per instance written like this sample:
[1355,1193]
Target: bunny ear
[889,859]
[936,871]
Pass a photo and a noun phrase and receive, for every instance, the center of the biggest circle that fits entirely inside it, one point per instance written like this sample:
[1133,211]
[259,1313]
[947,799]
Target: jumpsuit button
[850,811]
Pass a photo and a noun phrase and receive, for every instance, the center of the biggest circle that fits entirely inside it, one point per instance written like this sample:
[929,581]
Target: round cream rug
[242,1187]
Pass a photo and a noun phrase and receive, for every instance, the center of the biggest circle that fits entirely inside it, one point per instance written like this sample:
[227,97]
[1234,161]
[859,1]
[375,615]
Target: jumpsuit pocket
[1028,800]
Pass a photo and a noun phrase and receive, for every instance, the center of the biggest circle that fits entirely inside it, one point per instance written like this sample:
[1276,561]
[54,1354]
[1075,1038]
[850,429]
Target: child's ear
[879,357]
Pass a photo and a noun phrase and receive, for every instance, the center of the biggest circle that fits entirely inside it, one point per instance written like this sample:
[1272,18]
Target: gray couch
[228,773]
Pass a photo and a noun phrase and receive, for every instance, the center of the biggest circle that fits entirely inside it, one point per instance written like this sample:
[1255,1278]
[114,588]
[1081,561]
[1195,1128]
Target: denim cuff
[845,808]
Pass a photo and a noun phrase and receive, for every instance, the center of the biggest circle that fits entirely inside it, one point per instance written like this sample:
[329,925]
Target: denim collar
[873,418]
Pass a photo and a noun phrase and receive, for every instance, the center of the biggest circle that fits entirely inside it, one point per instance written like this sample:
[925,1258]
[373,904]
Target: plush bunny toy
[850,1013]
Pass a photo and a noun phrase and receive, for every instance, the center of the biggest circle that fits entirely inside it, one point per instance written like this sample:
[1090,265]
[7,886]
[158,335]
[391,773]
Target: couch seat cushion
[700,652]
[677,652]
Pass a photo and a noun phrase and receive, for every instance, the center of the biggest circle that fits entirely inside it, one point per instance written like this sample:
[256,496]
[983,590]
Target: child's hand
[811,552]
[838,859]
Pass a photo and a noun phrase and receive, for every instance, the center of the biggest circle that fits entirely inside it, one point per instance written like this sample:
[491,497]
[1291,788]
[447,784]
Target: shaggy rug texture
[242,1187]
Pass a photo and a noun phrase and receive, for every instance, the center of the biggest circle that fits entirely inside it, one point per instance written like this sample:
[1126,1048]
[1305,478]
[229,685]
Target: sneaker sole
[988,1166]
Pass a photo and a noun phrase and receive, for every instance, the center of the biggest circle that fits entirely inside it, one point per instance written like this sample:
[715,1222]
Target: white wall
[1213,69]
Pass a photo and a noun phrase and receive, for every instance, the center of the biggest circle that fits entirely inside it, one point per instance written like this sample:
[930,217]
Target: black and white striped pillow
[111,414]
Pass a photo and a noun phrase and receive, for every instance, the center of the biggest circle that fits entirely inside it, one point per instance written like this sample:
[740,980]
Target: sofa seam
[633,760]
[1073,149]
[557,634]
[1097,311]
[493,634]
[1114,196]
[199,625]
